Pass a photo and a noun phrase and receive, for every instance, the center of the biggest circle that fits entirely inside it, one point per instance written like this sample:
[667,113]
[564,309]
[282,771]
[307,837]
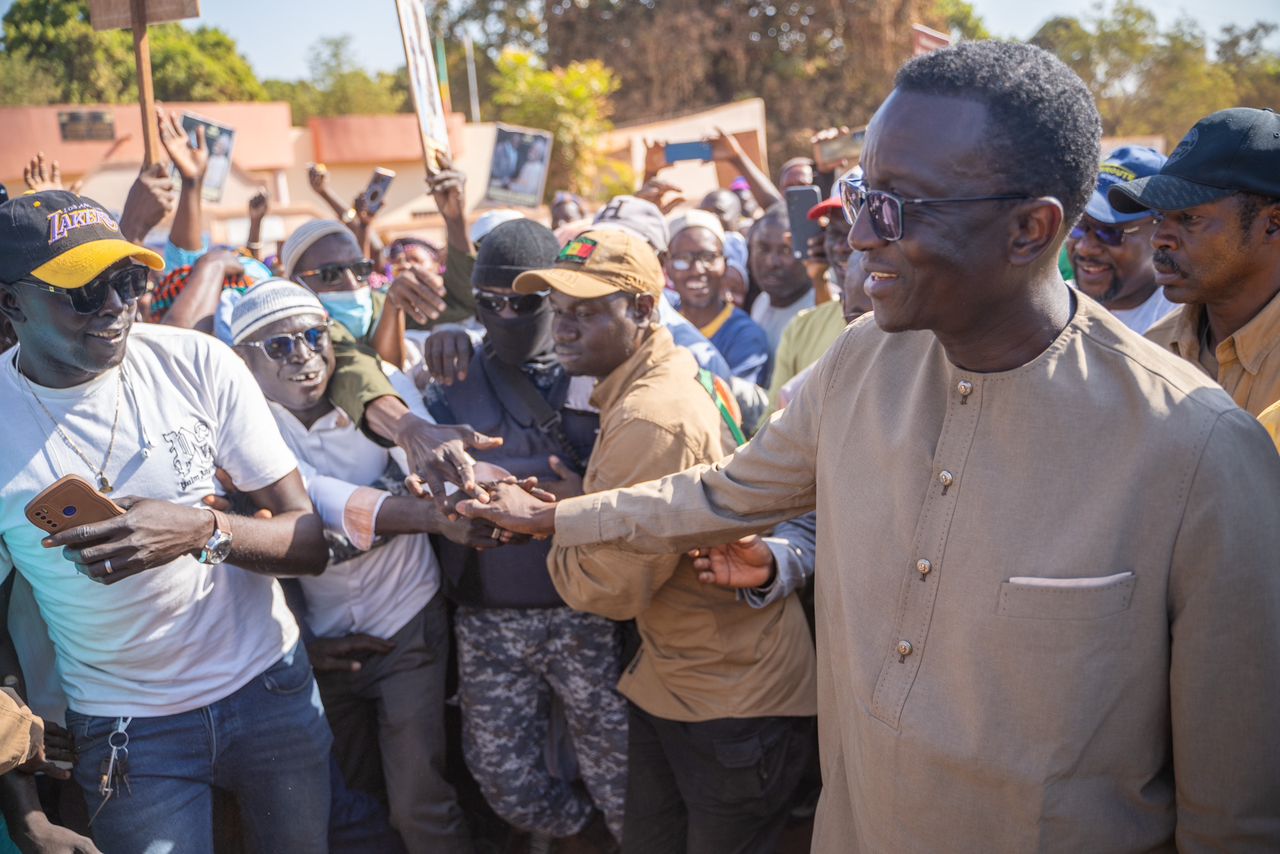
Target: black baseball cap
[1231,151]
[62,239]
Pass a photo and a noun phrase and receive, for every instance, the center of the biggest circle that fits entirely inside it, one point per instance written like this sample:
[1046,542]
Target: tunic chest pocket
[1066,598]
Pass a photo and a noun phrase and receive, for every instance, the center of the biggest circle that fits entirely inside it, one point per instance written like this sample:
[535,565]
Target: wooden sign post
[424,85]
[136,15]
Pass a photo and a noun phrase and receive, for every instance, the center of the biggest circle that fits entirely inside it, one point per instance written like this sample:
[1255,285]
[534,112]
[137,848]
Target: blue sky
[276,34]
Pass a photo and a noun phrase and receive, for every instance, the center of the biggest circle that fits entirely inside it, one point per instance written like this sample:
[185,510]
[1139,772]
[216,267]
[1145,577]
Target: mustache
[1164,262]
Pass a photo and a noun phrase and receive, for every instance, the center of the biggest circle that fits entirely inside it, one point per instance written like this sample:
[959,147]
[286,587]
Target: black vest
[510,576]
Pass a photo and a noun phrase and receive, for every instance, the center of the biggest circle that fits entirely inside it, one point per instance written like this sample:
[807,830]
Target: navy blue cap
[1123,165]
[1231,151]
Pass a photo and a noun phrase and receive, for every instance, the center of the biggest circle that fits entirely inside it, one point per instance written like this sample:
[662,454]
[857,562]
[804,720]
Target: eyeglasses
[1108,235]
[281,347]
[887,209]
[687,260]
[129,284]
[331,274]
[519,303]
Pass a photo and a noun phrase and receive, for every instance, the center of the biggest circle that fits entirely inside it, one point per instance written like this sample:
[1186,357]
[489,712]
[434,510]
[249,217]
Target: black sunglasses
[129,283]
[331,274]
[886,209]
[281,347]
[1108,235]
[519,303]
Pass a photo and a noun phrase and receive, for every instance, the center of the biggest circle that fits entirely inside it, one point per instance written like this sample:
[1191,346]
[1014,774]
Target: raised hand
[190,160]
[259,204]
[152,197]
[42,174]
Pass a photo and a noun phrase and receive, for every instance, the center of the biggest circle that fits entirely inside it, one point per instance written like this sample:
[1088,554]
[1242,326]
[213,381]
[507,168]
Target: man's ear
[1034,230]
[646,309]
[1273,221]
[9,306]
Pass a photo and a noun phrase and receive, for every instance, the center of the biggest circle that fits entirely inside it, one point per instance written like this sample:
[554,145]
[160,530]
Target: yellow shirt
[1248,361]
[1270,419]
[705,654]
[803,342]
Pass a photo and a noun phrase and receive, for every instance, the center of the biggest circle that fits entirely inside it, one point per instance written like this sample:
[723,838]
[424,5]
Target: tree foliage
[1152,81]
[56,42]
[572,102]
[338,86]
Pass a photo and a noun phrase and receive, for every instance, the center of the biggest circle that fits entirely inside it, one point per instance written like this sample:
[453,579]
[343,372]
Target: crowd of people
[646,531]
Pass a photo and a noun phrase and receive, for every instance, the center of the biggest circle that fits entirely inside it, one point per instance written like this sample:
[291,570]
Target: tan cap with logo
[598,263]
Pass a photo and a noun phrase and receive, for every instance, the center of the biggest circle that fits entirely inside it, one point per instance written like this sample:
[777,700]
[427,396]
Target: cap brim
[1100,209]
[574,283]
[80,265]
[824,208]
[1162,193]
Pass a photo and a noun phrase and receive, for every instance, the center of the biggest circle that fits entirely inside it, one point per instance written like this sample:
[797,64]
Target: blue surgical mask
[353,309]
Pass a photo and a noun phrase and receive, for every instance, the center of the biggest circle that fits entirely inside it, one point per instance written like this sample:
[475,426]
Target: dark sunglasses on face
[687,260]
[129,284]
[1108,235]
[887,209]
[519,303]
[331,274]
[281,347]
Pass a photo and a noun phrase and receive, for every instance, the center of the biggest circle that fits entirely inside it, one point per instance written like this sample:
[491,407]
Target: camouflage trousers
[514,667]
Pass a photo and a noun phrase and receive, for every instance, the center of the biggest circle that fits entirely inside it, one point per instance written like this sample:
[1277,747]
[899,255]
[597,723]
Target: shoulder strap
[708,383]
[514,387]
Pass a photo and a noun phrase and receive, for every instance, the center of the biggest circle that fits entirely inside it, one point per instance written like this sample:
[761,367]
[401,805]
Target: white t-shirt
[180,636]
[1143,317]
[774,320]
[376,592]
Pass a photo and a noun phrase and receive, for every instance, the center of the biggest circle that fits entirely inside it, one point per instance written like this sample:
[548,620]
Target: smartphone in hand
[801,200]
[70,502]
[677,151]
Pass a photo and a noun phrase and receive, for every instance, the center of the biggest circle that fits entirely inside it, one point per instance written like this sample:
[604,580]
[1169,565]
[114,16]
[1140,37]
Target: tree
[572,102]
[24,81]
[338,86]
[1151,81]
[86,66]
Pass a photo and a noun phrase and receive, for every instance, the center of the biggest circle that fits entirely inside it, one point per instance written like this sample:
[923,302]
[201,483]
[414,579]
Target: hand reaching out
[743,564]
[318,178]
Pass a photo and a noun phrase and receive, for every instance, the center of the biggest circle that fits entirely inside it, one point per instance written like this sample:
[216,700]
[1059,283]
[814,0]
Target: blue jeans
[268,744]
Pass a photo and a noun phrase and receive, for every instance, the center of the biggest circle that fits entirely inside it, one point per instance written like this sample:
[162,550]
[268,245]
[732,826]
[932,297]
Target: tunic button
[904,648]
[965,388]
[946,478]
[924,567]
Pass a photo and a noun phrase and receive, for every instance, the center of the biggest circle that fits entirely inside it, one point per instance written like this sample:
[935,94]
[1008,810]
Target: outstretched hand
[191,160]
[517,507]
[741,565]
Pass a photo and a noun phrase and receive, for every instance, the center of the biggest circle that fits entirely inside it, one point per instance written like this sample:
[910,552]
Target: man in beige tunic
[1047,594]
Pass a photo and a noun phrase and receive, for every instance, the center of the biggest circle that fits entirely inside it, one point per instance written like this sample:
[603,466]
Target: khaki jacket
[705,655]
[21,731]
[1248,362]
[1048,599]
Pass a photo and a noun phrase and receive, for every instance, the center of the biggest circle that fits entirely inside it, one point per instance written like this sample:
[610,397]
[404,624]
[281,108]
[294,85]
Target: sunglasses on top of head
[518,303]
[1107,235]
[129,283]
[887,209]
[331,274]
[281,347]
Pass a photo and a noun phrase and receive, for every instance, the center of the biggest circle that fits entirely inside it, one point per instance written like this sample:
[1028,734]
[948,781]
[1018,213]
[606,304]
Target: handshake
[517,509]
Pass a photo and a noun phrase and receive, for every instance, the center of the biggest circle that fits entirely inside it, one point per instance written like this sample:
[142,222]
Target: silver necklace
[104,485]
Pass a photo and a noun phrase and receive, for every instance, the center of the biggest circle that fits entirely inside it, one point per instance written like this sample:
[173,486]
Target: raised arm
[191,161]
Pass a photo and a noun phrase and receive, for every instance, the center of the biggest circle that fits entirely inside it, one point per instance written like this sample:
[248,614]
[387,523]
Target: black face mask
[517,340]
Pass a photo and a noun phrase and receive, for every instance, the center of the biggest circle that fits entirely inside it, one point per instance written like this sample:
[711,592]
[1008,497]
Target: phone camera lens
[69,511]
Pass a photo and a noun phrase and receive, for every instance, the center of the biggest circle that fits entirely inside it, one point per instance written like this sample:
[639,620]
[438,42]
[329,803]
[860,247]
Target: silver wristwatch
[215,551]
